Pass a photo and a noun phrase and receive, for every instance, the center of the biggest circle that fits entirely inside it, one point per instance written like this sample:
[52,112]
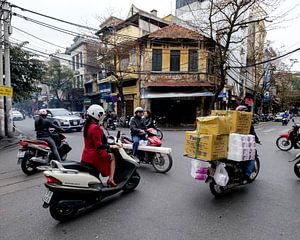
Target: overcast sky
[88,12]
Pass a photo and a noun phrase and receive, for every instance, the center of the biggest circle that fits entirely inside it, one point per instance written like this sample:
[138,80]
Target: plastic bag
[221,176]
[199,170]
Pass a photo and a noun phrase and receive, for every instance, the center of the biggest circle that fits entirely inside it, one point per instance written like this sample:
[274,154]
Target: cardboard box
[205,147]
[240,122]
[214,125]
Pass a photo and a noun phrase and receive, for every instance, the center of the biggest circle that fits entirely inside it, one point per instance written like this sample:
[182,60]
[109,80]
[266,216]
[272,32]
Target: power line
[53,18]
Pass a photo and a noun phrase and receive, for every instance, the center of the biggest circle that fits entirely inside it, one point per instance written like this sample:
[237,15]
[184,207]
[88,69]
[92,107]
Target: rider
[42,125]
[95,145]
[138,129]
[148,120]
[251,163]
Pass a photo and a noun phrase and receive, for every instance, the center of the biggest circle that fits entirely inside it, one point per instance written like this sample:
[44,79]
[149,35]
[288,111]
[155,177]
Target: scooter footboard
[164,150]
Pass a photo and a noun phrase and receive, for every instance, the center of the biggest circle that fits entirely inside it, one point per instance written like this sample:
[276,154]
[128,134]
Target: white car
[17,116]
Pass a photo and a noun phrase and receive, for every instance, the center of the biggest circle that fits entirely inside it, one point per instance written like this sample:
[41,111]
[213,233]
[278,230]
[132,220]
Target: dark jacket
[42,126]
[252,132]
[136,124]
[149,122]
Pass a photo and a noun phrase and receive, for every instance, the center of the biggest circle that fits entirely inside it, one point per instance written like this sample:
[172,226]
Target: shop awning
[151,95]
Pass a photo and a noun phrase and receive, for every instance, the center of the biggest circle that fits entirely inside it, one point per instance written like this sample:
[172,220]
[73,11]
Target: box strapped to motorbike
[164,150]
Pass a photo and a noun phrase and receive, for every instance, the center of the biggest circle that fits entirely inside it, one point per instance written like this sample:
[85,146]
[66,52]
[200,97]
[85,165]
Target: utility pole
[8,100]
[2,121]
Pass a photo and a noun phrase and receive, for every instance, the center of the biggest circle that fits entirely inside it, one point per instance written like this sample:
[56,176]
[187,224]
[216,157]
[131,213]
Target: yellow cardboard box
[213,125]
[240,122]
[205,147]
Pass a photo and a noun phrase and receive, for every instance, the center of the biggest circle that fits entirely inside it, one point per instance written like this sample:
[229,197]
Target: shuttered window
[175,61]
[193,60]
[156,60]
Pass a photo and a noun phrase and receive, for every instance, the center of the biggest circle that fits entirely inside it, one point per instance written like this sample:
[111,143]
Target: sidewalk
[9,142]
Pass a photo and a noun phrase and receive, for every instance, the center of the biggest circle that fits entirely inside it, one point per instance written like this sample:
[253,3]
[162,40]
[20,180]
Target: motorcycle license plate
[47,197]
[20,154]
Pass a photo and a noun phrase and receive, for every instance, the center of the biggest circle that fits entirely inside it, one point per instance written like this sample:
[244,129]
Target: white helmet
[138,109]
[43,112]
[96,111]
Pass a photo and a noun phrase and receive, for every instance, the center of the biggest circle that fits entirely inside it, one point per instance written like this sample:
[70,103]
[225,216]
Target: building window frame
[193,60]
[157,60]
[175,60]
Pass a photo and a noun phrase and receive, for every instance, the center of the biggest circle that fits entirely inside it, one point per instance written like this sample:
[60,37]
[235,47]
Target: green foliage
[296,81]
[58,77]
[26,71]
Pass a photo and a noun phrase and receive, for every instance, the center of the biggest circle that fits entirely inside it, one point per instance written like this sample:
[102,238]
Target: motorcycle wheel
[284,144]
[297,169]
[217,190]
[60,212]
[132,183]
[256,170]
[26,166]
[160,135]
[162,163]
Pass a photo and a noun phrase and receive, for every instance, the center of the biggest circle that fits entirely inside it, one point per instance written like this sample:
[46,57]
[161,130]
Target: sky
[284,38]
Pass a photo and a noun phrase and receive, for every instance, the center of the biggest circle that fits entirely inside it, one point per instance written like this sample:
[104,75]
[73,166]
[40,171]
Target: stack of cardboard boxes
[210,140]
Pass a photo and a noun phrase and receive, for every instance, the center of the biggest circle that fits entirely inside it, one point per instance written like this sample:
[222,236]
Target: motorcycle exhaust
[39,160]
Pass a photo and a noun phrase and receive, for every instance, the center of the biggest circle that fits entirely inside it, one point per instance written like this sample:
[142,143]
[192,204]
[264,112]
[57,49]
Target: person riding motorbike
[137,129]
[148,120]
[95,150]
[42,125]
[251,163]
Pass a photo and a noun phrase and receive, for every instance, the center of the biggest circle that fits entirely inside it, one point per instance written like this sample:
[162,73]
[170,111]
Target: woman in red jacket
[95,145]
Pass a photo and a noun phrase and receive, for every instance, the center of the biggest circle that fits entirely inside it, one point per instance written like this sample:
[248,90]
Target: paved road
[168,206]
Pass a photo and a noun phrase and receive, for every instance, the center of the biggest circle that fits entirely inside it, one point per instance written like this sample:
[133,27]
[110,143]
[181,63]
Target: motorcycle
[109,123]
[151,151]
[160,134]
[73,187]
[287,141]
[236,175]
[35,153]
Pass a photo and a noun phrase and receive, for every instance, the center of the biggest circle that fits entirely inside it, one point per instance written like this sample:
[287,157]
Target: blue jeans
[53,147]
[250,167]
[136,141]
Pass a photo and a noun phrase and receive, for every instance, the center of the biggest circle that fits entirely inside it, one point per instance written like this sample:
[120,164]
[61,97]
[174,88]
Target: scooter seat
[81,167]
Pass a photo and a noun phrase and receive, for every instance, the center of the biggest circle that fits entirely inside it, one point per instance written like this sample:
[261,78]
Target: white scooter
[73,186]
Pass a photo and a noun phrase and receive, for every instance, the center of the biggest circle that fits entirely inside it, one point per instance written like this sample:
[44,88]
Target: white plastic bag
[221,176]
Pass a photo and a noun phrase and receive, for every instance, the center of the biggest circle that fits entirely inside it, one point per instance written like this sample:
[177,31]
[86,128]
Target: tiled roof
[175,31]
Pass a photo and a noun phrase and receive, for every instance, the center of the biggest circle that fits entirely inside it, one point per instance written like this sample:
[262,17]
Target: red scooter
[151,151]
[287,141]
[35,153]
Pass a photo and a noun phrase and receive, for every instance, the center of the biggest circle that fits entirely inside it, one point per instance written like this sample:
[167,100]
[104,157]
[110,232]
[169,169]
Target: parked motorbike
[236,174]
[287,141]
[35,153]
[73,187]
[109,123]
[151,151]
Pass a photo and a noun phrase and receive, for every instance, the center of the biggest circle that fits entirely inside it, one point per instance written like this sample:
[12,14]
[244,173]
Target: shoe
[136,159]
[111,183]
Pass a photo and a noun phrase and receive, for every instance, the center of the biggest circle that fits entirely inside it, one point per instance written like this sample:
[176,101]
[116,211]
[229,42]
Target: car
[278,117]
[65,119]
[17,116]
[78,114]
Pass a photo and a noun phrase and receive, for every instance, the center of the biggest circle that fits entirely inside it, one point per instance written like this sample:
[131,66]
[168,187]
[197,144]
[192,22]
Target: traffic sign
[6,91]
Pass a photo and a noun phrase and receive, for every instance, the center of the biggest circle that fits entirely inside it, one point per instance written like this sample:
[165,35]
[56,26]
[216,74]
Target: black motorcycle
[236,173]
